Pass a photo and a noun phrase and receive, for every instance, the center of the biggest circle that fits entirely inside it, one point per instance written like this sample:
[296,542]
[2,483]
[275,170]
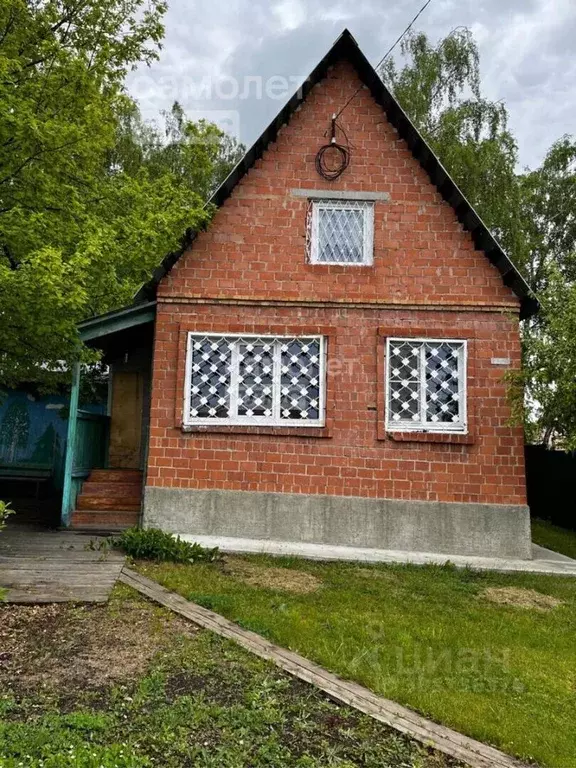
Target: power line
[388,52]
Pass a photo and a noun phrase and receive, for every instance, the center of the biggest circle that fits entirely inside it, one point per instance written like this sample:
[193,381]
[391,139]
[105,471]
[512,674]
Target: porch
[40,566]
[106,454]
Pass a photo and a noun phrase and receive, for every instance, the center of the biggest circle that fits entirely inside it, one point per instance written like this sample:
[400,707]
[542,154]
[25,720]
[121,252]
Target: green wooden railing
[91,448]
[90,452]
[86,449]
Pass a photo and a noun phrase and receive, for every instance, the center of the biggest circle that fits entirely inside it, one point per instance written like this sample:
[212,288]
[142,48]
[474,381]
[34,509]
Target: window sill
[342,264]
[431,437]
[246,429]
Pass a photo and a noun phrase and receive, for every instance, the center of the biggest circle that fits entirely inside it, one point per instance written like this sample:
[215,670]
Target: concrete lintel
[333,194]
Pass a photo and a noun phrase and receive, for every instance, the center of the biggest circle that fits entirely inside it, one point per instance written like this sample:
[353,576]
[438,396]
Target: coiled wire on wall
[332,159]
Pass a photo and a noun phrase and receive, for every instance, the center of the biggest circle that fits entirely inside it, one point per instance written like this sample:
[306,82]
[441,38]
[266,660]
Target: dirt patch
[521,598]
[85,648]
[283,579]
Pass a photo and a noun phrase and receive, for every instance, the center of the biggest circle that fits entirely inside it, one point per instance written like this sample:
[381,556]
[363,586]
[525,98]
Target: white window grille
[341,232]
[426,385]
[257,380]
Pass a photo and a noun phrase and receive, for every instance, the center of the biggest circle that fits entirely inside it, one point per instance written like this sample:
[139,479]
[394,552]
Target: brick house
[328,358]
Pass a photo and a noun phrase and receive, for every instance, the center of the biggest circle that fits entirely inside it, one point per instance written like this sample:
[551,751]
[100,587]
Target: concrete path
[43,566]
[543,560]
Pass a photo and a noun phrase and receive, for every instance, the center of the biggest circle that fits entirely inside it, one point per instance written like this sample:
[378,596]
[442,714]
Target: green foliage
[14,430]
[154,544]
[90,199]
[439,88]
[426,637]
[5,512]
[549,375]
[87,755]
[533,213]
[201,702]
[553,537]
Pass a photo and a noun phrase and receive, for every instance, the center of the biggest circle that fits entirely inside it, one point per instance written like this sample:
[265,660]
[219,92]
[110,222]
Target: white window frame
[257,421]
[367,209]
[461,427]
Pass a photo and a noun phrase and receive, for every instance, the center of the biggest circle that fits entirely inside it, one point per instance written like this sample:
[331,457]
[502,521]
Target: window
[257,380]
[341,232]
[426,385]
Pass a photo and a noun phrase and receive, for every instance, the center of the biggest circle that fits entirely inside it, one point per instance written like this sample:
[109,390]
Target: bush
[154,544]
[5,513]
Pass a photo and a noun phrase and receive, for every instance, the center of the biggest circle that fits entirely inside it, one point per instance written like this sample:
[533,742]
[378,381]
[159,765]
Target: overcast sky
[214,49]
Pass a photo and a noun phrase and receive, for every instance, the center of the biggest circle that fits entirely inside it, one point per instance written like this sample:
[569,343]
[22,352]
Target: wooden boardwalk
[470,751]
[43,566]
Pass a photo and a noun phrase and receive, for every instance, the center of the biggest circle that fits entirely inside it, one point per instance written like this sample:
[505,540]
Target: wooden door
[126,420]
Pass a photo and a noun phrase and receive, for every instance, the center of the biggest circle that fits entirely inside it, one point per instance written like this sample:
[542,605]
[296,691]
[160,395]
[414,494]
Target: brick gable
[255,246]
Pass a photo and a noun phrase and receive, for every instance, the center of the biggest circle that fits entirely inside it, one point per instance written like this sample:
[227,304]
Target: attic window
[341,232]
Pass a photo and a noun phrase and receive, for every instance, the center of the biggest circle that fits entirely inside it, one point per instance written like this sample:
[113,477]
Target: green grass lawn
[553,537]
[427,637]
[132,685]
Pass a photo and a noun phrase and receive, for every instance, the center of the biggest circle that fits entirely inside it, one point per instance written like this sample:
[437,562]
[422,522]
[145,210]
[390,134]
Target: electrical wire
[341,153]
[331,171]
[388,52]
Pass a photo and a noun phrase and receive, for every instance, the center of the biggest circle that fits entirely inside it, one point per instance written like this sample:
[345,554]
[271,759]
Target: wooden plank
[19,547]
[56,563]
[88,578]
[46,567]
[446,740]
[60,566]
[75,541]
[43,595]
[54,549]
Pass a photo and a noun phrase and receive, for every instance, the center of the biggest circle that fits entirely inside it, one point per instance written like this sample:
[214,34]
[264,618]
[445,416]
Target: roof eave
[119,320]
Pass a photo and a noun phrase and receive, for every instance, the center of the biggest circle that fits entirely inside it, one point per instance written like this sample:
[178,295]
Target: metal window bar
[426,385]
[340,232]
[228,380]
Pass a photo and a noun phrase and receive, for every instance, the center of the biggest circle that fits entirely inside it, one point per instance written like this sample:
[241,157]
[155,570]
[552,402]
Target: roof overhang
[102,326]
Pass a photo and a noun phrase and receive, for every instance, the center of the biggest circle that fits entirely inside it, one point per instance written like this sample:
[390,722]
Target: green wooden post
[70,446]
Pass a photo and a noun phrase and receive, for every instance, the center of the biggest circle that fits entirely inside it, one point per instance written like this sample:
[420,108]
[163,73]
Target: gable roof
[347,48]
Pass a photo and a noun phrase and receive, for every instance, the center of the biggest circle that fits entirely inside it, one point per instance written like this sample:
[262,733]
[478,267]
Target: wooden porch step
[104,519]
[120,503]
[110,499]
[99,529]
[116,476]
[111,489]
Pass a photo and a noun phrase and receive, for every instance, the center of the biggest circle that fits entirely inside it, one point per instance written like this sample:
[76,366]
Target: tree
[47,448]
[548,197]
[532,213]
[89,201]
[15,430]
[549,377]
[439,88]
[197,155]
[62,64]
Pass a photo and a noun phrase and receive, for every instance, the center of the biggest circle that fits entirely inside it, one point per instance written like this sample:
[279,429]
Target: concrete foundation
[483,530]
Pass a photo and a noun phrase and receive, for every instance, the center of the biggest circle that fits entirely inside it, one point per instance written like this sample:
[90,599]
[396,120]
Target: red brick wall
[426,277]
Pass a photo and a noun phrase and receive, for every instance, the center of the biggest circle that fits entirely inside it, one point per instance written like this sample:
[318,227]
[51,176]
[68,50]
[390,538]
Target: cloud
[236,62]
